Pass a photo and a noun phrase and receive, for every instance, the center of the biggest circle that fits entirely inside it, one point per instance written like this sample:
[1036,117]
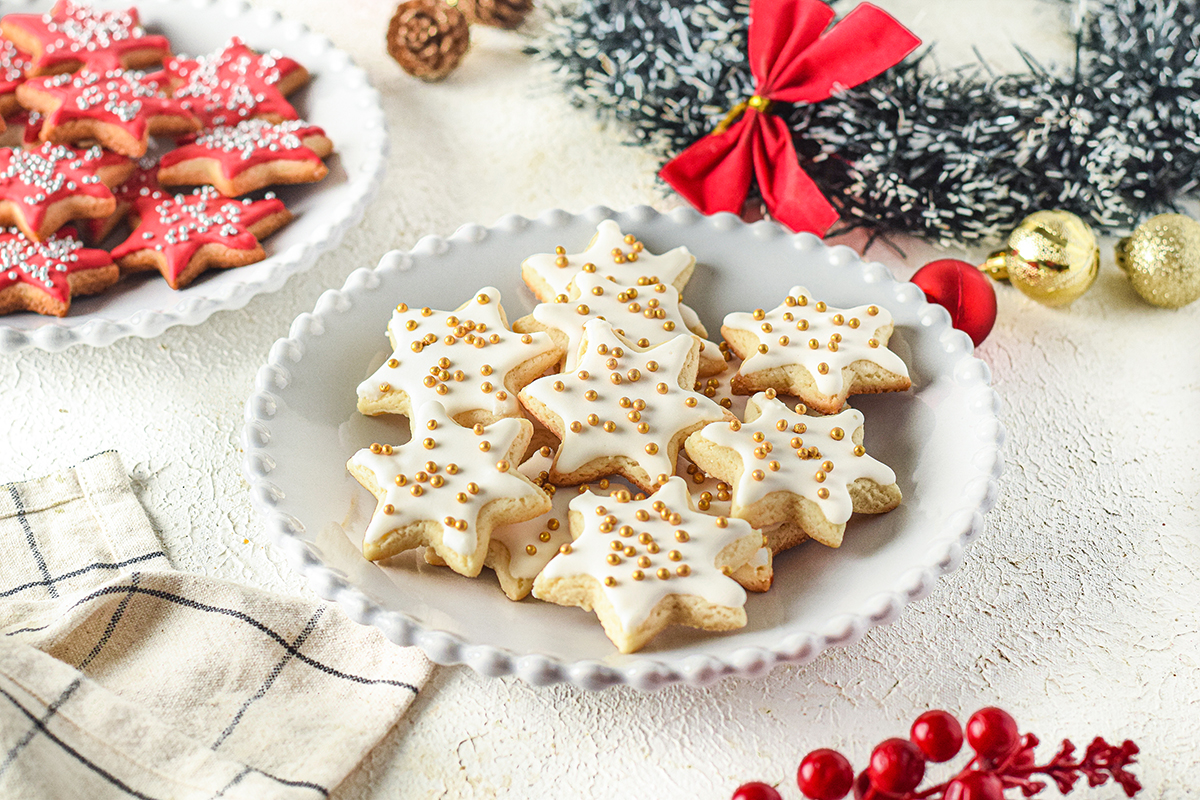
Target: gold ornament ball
[1052,257]
[1162,260]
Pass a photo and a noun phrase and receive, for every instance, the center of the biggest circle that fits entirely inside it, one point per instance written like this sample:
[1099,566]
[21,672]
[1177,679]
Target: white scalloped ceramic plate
[339,99]
[942,438]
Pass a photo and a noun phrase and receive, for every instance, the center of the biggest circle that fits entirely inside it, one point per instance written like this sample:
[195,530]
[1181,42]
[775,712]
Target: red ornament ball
[975,785]
[896,766]
[992,732]
[825,775]
[938,734]
[962,290]
[756,791]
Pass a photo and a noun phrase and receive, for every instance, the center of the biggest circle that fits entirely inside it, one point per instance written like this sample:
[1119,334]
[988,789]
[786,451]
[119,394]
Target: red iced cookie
[74,35]
[42,277]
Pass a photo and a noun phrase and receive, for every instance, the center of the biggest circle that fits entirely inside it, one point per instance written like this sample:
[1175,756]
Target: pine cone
[497,13]
[428,38]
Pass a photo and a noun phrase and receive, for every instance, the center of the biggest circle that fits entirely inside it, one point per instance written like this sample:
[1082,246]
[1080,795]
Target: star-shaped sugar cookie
[467,359]
[611,254]
[239,159]
[642,565]
[821,354]
[183,235]
[75,35]
[624,411]
[235,83]
[644,312]
[44,188]
[785,466]
[42,277]
[116,108]
[448,488]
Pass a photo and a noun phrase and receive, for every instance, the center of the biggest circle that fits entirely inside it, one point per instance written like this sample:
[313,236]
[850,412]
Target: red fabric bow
[792,62]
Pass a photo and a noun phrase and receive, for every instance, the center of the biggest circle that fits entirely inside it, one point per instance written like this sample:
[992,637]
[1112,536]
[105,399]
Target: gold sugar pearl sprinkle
[872,343]
[802,325]
[461,525]
[531,550]
[823,368]
[485,387]
[417,347]
[766,327]
[642,514]
[838,319]
[773,466]
[502,465]
[726,571]
[582,309]
[473,487]
[609,426]
[615,545]
[625,402]
[663,573]
[690,402]
[757,475]
[652,366]
[784,341]
[652,448]
[576,426]
[402,307]
[661,388]
[389,509]
[411,325]
[477,428]
[683,570]
[799,427]
[401,480]
[429,443]
[759,314]
[615,378]
[823,493]
[417,491]
[859,450]
[552,524]
[643,562]
[582,375]
[762,348]
[597,290]
[820,476]
[634,375]
[652,548]
[565,549]
[461,497]
[637,575]
[613,559]
[722,522]
[681,536]
[376,448]
[560,250]
[485,446]
[437,481]
[781,425]
[483,299]
[833,346]
[813,344]
[872,310]
[421,476]
[827,466]
[675,555]
[393,363]
[820,306]
[734,425]
[609,581]
[592,419]
[836,434]
[560,386]
[836,337]
[625,530]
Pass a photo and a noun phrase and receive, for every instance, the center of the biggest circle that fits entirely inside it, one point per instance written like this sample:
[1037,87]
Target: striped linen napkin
[121,677]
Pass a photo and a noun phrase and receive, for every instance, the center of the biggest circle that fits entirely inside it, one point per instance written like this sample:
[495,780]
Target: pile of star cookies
[76,83]
[603,452]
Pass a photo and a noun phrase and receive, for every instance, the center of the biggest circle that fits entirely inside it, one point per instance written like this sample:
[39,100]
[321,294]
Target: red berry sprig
[1003,759]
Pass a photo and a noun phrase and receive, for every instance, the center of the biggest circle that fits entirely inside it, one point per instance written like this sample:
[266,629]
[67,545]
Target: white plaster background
[1077,610]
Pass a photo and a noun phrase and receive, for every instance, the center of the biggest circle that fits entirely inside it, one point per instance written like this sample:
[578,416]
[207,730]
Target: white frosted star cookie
[785,466]
[625,411]
[642,565]
[819,353]
[467,359]
[448,488]
[646,313]
[611,253]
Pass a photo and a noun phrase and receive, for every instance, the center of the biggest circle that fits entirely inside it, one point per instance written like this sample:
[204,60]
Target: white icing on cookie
[448,474]
[644,312]
[664,546]
[462,359]
[611,253]
[624,401]
[533,543]
[782,451]
[822,339]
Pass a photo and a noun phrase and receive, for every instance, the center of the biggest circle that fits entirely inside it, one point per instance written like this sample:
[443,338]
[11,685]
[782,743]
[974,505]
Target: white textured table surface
[1078,610]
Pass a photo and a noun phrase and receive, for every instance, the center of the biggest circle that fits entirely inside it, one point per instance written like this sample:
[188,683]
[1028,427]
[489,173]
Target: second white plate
[942,438]
[339,99]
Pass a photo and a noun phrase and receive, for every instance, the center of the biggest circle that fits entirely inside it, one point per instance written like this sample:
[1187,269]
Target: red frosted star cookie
[183,235]
[13,64]
[42,189]
[42,277]
[235,83]
[119,109]
[74,35]
[251,155]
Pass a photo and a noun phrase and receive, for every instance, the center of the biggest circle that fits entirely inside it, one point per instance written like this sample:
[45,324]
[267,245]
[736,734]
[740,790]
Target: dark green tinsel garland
[956,157]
